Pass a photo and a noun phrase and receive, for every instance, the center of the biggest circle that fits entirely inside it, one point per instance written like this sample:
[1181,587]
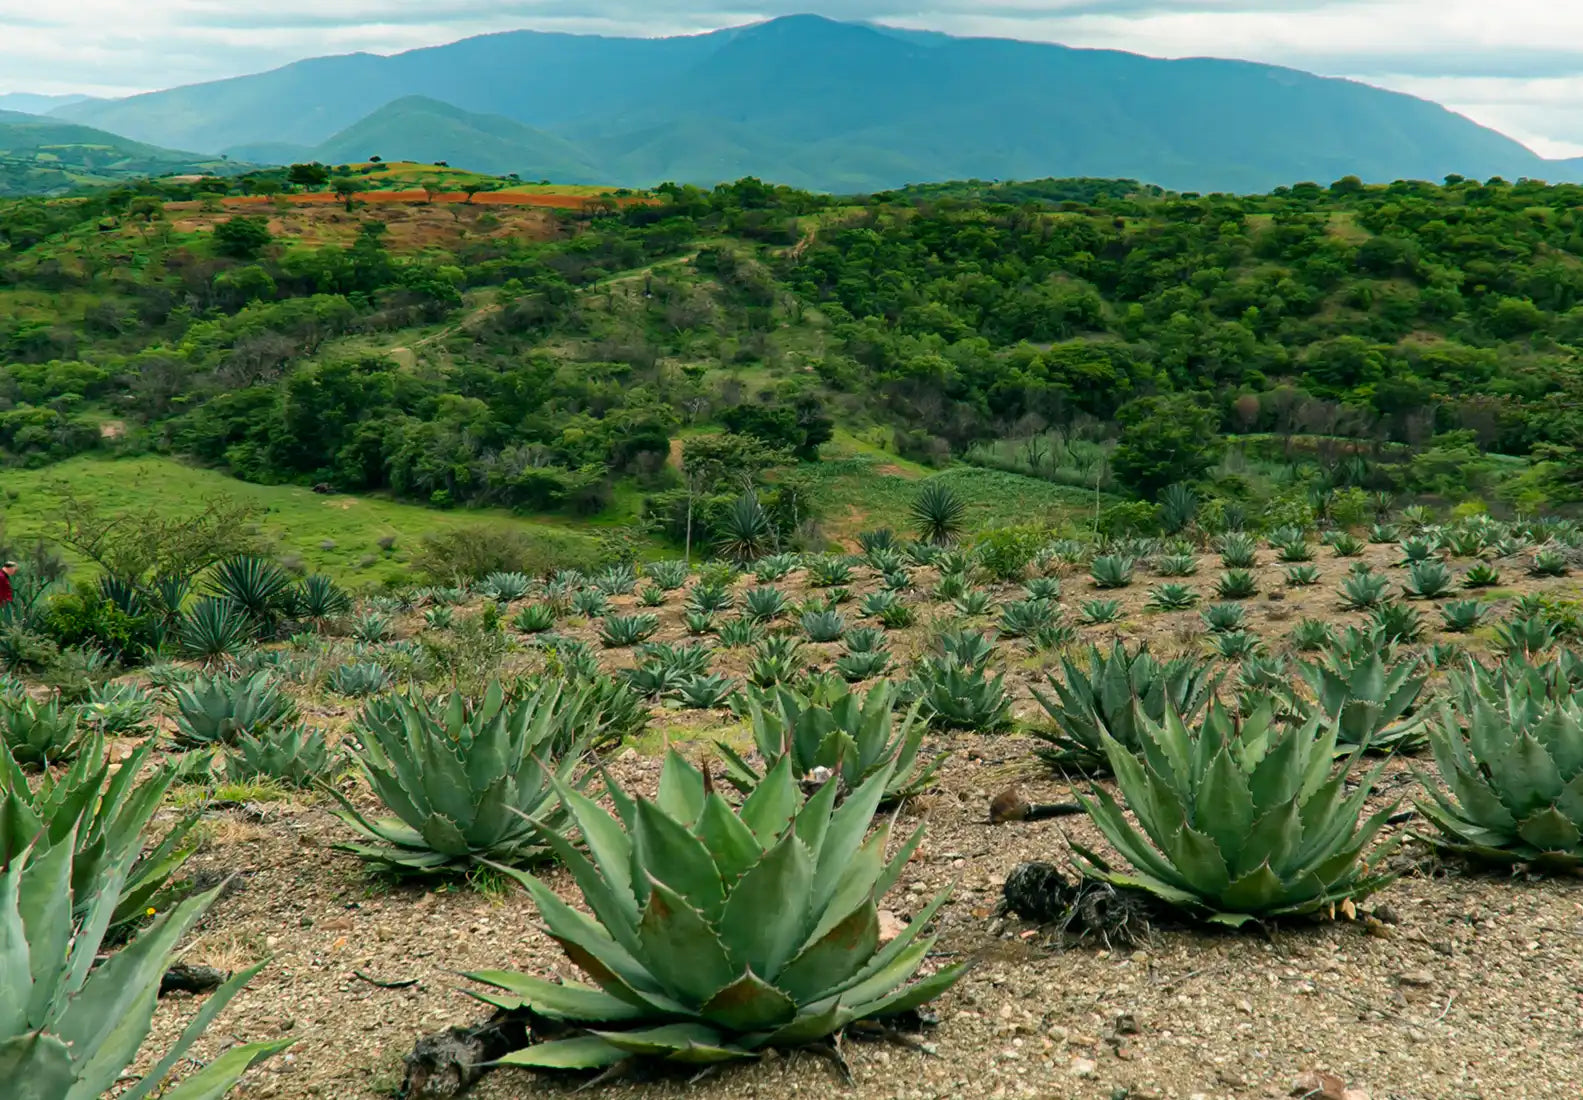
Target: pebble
[1420,978]
[1084,1067]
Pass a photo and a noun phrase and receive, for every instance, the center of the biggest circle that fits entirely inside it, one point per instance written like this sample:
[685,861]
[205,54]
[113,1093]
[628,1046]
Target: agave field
[1230,816]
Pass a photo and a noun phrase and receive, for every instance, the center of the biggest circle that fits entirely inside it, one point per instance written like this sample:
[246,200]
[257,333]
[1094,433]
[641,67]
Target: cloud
[1516,69]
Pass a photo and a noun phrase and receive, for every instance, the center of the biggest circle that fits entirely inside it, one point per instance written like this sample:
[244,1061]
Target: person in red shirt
[7,571]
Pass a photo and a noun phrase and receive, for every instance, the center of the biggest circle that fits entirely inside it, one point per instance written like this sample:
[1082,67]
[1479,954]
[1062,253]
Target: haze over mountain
[43,156]
[826,105]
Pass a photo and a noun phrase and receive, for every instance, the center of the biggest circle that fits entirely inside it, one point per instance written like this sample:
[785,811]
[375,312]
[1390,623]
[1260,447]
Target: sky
[1516,65]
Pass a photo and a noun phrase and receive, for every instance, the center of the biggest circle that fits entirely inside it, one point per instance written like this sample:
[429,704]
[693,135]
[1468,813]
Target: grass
[335,534]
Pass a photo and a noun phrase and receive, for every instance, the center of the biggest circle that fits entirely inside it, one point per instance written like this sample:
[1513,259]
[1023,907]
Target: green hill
[428,131]
[833,106]
[43,156]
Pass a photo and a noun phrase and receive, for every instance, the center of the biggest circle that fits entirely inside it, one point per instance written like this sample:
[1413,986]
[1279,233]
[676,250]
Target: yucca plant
[1111,571]
[1176,565]
[1239,822]
[620,631]
[1525,635]
[863,665]
[1548,563]
[851,736]
[1428,580]
[214,631]
[823,626]
[360,678]
[256,586]
[744,530]
[37,733]
[1172,597]
[1368,699]
[705,692]
[1510,755]
[1021,618]
[1302,576]
[975,601]
[618,580]
[739,632]
[320,600]
[295,755]
[72,1030]
[1236,584]
[764,604]
[1481,575]
[938,513]
[1346,545]
[1108,694]
[1223,618]
[710,596]
[1396,622]
[535,618]
[1178,507]
[955,696]
[1461,616]
[1363,591]
[776,660]
[215,710]
[718,934]
[774,567]
[1095,612]
[590,603]
[466,783]
[1238,551]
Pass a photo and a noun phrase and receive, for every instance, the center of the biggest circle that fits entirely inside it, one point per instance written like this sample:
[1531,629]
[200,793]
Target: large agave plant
[718,934]
[214,710]
[70,1029]
[958,696]
[466,784]
[38,733]
[296,756]
[1112,697]
[1239,824]
[1509,749]
[1368,700]
[104,813]
[744,531]
[851,736]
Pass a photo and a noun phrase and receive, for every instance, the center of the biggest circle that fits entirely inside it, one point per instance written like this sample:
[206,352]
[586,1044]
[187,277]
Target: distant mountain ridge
[44,156]
[826,105]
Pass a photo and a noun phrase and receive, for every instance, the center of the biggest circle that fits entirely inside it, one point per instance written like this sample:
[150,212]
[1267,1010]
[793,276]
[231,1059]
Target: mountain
[830,106]
[44,156]
[30,104]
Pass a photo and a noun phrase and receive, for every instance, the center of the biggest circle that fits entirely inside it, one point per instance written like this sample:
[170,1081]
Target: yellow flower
[151,910]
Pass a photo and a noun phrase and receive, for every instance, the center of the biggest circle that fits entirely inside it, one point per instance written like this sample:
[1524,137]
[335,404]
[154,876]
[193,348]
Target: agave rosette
[1367,700]
[1239,824]
[717,934]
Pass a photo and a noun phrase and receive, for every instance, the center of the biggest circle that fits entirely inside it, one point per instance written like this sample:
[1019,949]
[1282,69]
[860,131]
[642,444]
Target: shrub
[1005,552]
[473,551]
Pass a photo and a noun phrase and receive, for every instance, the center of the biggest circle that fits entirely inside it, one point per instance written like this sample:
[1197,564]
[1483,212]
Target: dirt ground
[411,225]
[1451,984]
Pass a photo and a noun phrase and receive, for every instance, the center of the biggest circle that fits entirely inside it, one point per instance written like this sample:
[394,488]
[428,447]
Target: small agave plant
[851,737]
[1368,700]
[467,784]
[1509,749]
[718,934]
[1239,823]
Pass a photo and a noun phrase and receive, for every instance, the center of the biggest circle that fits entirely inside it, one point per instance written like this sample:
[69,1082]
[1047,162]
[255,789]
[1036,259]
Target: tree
[1164,440]
[242,238]
[308,175]
[346,190]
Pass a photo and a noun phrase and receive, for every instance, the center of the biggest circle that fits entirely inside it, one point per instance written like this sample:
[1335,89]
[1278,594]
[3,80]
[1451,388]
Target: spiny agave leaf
[681,792]
[583,1052]
[772,805]
[37,1066]
[767,915]
[216,1078]
[690,1044]
[834,956]
[673,856]
[680,946]
[750,1004]
[570,1001]
[734,847]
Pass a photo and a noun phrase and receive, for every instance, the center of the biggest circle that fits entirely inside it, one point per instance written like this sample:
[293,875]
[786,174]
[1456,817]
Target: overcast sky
[1516,65]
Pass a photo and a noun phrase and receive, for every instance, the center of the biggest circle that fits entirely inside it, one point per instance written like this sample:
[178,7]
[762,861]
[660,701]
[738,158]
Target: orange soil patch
[483,198]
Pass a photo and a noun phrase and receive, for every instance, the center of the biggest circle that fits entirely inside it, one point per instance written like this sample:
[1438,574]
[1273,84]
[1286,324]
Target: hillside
[776,100]
[42,156]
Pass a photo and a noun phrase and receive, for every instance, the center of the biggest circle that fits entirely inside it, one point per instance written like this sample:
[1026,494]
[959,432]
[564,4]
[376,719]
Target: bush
[1005,552]
[473,551]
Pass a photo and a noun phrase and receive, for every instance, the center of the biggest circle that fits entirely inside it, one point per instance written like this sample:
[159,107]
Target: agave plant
[440,618]
[1368,700]
[1525,635]
[618,580]
[823,626]
[877,603]
[1548,563]
[1347,545]
[764,604]
[1236,584]
[590,602]
[71,1030]
[739,632]
[745,530]
[1416,549]
[1238,551]
[215,710]
[1236,645]
[1463,544]
[897,580]
[952,586]
[1022,618]
[1301,576]
[1109,697]
[710,596]
[718,934]
[1176,565]
[1481,575]
[466,783]
[360,678]
[699,623]
[1294,549]
[1094,612]
[1509,750]
[864,639]
[1239,823]
[1428,580]
[118,709]
[828,571]
[683,660]
[1381,533]
[898,616]
[1396,622]
[1461,616]
[373,628]
[975,601]
[1172,597]
[850,736]
[776,660]
[668,575]
[1223,618]
[1363,591]
[103,811]
[864,665]
[621,631]
[1111,571]
[256,586]
[535,618]
[652,595]
[775,567]
[705,692]
[968,648]
[296,755]
[955,696]
[938,513]
[37,734]
[214,631]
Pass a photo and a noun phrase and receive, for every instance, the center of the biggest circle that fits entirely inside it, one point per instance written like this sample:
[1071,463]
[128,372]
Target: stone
[1420,978]
[1084,1067]
[1314,1084]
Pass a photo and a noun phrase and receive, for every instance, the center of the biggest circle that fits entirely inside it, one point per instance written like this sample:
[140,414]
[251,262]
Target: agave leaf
[690,1043]
[570,1001]
[672,855]
[844,838]
[856,885]
[607,842]
[680,946]
[15,971]
[1110,821]
[1525,776]
[1273,838]
[681,793]
[883,971]
[750,1004]
[1550,831]
[37,1067]
[766,918]
[813,822]
[833,957]
[734,847]
[773,803]
[1224,808]
[1255,892]
[35,935]
[219,1075]
[814,1022]
[920,992]
[583,1052]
